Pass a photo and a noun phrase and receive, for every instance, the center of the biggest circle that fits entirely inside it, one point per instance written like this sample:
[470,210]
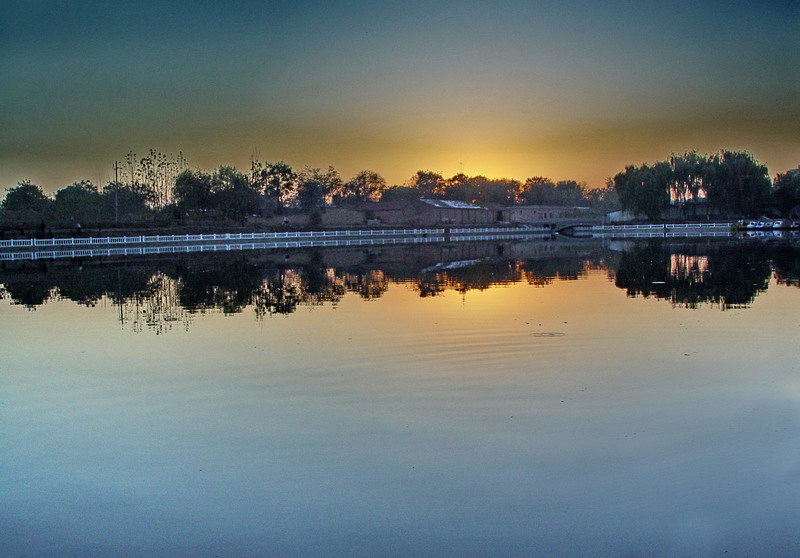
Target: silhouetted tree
[159,172]
[192,190]
[737,183]
[538,190]
[233,194]
[480,189]
[427,184]
[400,193]
[79,201]
[602,199]
[277,182]
[367,185]
[645,189]
[688,179]
[124,200]
[317,188]
[26,197]
[786,192]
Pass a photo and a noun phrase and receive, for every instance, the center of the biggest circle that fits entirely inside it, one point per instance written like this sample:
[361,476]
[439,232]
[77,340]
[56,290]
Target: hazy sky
[503,88]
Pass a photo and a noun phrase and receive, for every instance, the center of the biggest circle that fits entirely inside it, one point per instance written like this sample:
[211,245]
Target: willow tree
[645,189]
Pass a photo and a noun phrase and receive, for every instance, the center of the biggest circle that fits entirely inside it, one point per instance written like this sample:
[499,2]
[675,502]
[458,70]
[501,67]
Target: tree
[367,185]
[317,188]
[123,200]
[158,172]
[79,201]
[427,183]
[26,197]
[459,187]
[400,193]
[644,189]
[689,178]
[538,190]
[480,189]
[569,193]
[192,190]
[277,182]
[232,193]
[737,183]
[786,193]
[503,191]
[603,199]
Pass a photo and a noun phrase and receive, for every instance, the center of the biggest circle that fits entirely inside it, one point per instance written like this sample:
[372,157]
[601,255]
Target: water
[569,398]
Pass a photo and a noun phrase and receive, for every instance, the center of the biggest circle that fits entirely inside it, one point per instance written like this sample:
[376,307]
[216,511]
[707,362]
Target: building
[526,214]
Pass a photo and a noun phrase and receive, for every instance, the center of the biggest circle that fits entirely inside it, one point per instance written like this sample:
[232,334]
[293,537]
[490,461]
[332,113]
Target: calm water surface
[507,399]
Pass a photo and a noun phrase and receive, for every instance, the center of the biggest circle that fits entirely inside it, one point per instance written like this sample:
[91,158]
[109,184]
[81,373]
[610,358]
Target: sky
[567,90]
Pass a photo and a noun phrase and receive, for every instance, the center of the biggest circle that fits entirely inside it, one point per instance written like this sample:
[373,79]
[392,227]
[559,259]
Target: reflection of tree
[227,286]
[786,260]
[156,307]
[287,289]
[543,272]
[368,285]
[35,284]
[479,275]
[157,295]
[29,293]
[727,275]
[281,295]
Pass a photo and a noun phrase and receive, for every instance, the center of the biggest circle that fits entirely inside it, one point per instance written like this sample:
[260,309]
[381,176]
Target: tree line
[157,185]
[729,183]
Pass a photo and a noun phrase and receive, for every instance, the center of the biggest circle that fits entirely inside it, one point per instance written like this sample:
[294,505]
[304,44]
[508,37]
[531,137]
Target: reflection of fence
[161,239]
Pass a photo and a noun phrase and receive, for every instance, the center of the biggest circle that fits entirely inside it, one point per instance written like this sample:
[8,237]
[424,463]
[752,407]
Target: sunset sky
[568,90]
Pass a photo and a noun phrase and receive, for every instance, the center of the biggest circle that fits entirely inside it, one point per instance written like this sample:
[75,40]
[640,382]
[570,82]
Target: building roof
[451,204]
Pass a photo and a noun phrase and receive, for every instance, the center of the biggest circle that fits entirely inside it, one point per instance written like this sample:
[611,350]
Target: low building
[524,214]
[424,213]
[438,213]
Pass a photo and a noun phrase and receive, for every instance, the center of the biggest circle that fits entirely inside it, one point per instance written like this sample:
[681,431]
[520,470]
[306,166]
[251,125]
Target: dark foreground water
[552,398]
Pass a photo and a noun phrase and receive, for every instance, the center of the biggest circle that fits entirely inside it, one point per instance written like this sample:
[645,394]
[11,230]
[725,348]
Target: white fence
[501,230]
[180,249]
[665,226]
[510,236]
[661,234]
[171,238]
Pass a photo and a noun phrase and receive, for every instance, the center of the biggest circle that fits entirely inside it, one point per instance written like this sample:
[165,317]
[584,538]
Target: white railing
[185,248]
[510,236]
[113,240]
[664,233]
[504,230]
[172,238]
[661,227]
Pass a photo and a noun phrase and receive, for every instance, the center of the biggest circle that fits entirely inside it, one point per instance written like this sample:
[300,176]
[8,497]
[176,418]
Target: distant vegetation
[729,183]
[164,189]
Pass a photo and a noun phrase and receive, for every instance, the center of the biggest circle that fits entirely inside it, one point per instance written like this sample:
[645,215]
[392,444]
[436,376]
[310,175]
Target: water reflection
[730,276]
[158,294]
